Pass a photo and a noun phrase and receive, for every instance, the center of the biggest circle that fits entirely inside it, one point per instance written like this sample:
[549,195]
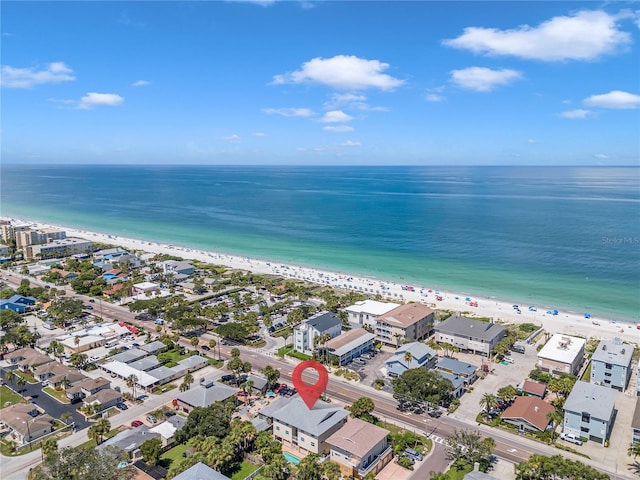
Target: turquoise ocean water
[560,237]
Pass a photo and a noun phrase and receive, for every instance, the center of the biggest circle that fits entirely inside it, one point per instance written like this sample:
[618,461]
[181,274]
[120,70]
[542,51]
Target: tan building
[58,248]
[360,447]
[9,231]
[27,358]
[406,323]
[35,237]
[25,423]
[562,354]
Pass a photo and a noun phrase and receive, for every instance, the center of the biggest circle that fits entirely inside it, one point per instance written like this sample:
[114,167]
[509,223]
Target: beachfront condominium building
[305,333]
[58,248]
[561,354]
[367,312]
[611,364]
[35,237]
[302,430]
[589,411]
[359,448]
[10,230]
[469,335]
[406,323]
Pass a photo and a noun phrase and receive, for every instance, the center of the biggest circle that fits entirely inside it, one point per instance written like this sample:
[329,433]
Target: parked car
[169,413]
[411,452]
[205,347]
[136,423]
[571,438]
[122,406]
[151,419]
[508,359]
[227,378]
[413,460]
[518,349]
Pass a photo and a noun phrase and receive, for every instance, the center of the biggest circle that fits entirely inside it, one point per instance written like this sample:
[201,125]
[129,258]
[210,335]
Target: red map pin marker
[310,393]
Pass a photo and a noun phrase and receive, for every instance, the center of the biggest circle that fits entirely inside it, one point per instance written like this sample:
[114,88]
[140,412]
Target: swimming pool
[291,458]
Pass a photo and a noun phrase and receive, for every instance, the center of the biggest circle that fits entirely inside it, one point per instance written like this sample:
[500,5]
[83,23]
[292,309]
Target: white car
[508,359]
[571,438]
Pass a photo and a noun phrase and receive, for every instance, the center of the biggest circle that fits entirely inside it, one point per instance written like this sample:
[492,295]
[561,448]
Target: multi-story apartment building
[611,364]
[58,248]
[469,335]
[589,411]
[367,312]
[561,354]
[36,237]
[324,324]
[9,231]
[406,323]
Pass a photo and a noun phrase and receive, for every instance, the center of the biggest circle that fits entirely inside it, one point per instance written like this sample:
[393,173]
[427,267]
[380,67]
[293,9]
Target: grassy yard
[458,470]
[92,443]
[586,376]
[245,470]
[27,376]
[59,395]
[8,395]
[173,454]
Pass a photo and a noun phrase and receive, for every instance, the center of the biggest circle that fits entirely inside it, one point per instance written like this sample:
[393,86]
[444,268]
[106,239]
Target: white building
[305,333]
[562,354]
[367,312]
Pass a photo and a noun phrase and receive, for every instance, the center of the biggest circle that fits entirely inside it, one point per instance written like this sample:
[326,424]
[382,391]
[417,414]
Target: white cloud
[55,72]
[338,128]
[140,83]
[483,79]
[61,100]
[601,156]
[289,112]
[232,138]
[350,143]
[336,116]
[93,99]
[577,114]
[259,134]
[585,35]
[613,99]
[532,141]
[345,72]
[434,97]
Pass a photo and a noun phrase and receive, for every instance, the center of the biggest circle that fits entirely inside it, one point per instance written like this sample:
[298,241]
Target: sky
[320,82]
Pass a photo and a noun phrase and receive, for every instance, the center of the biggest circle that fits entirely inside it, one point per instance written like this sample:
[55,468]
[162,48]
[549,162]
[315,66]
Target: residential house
[635,423]
[168,429]
[104,399]
[303,430]
[27,358]
[145,288]
[64,274]
[469,335]
[421,356]
[24,423]
[259,384]
[51,369]
[467,371]
[589,411]
[406,323]
[130,441]
[536,389]
[204,395]
[459,383]
[178,267]
[200,471]
[349,345]
[528,414]
[476,474]
[305,333]
[561,354]
[611,364]
[91,386]
[360,447]
[367,312]
[18,303]
[58,248]
[154,347]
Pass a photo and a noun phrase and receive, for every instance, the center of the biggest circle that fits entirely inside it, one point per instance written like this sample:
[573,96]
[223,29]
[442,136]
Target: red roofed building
[528,414]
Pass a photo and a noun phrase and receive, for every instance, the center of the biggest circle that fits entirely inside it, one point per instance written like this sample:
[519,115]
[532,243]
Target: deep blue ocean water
[561,237]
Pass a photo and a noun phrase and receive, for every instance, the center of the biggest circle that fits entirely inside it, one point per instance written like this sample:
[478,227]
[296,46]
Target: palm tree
[10,375]
[132,381]
[184,387]
[634,450]
[76,340]
[20,382]
[188,379]
[49,447]
[94,433]
[104,426]
[408,358]
[489,401]
[555,418]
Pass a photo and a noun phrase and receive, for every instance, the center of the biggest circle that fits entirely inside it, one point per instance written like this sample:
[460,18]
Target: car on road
[89,307]
[122,406]
[135,345]
[571,438]
[151,419]
[136,423]
[94,358]
[204,347]
[91,300]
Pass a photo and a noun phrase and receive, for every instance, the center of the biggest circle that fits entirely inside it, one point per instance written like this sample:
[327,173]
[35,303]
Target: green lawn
[458,470]
[92,443]
[172,454]
[8,395]
[245,470]
[58,395]
[27,376]
[586,376]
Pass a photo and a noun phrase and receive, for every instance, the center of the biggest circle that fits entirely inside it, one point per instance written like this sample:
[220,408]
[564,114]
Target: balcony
[363,471]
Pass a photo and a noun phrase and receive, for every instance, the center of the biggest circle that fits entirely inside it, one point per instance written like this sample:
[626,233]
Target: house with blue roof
[465,370]
[17,303]
[421,356]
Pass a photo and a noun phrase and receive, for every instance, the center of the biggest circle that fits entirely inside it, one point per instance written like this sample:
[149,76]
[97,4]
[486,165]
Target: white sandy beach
[501,311]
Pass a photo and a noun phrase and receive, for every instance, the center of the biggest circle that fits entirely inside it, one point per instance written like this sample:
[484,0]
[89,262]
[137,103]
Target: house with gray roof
[457,381]
[154,347]
[128,356]
[200,471]
[349,345]
[304,334]
[104,399]
[168,429]
[301,429]
[205,394]
[467,371]
[611,364]
[589,411]
[421,356]
[145,364]
[469,335]
[130,441]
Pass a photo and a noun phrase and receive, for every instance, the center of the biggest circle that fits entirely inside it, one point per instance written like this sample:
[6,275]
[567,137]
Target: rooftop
[562,348]
[597,400]
[530,408]
[153,347]
[357,437]
[406,315]
[614,352]
[315,421]
[536,388]
[467,327]
[200,471]
[372,307]
[324,322]
[203,396]
[347,341]
[456,366]
[635,422]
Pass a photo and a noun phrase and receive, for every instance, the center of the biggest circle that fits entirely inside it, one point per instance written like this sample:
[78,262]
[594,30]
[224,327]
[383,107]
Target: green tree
[151,450]
[470,447]
[556,467]
[235,352]
[634,450]
[194,341]
[233,330]
[309,468]
[331,470]
[272,375]
[64,309]
[488,402]
[20,382]
[79,360]
[213,420]
[80,463]
[408,358]
[362,409]
[508,393]
[132,381]
[65,417]
[49,447]
[422,385]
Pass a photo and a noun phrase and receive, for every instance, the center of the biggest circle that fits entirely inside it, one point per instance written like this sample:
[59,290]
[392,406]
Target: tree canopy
[233,330]
[471,447]
[422,385]
[80,463]
[208,421]
[556,467]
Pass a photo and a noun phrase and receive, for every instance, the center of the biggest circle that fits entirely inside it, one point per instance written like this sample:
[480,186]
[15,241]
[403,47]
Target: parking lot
[370,369]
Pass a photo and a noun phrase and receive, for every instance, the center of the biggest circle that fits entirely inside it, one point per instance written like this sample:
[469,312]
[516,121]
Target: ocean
[557,237]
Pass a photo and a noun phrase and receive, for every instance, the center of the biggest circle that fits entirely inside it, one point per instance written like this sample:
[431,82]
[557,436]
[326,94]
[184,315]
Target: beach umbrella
[549,312]
[555,312]
[429,290]
[587,315]
[467,299]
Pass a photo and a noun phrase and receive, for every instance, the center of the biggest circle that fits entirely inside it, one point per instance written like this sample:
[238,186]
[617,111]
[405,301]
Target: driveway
[49,404]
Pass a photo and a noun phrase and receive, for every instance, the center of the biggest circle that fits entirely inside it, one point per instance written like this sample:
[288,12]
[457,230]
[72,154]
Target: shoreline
[501,311]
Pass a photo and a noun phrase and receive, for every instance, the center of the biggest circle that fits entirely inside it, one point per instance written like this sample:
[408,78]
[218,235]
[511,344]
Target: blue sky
[274,82]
